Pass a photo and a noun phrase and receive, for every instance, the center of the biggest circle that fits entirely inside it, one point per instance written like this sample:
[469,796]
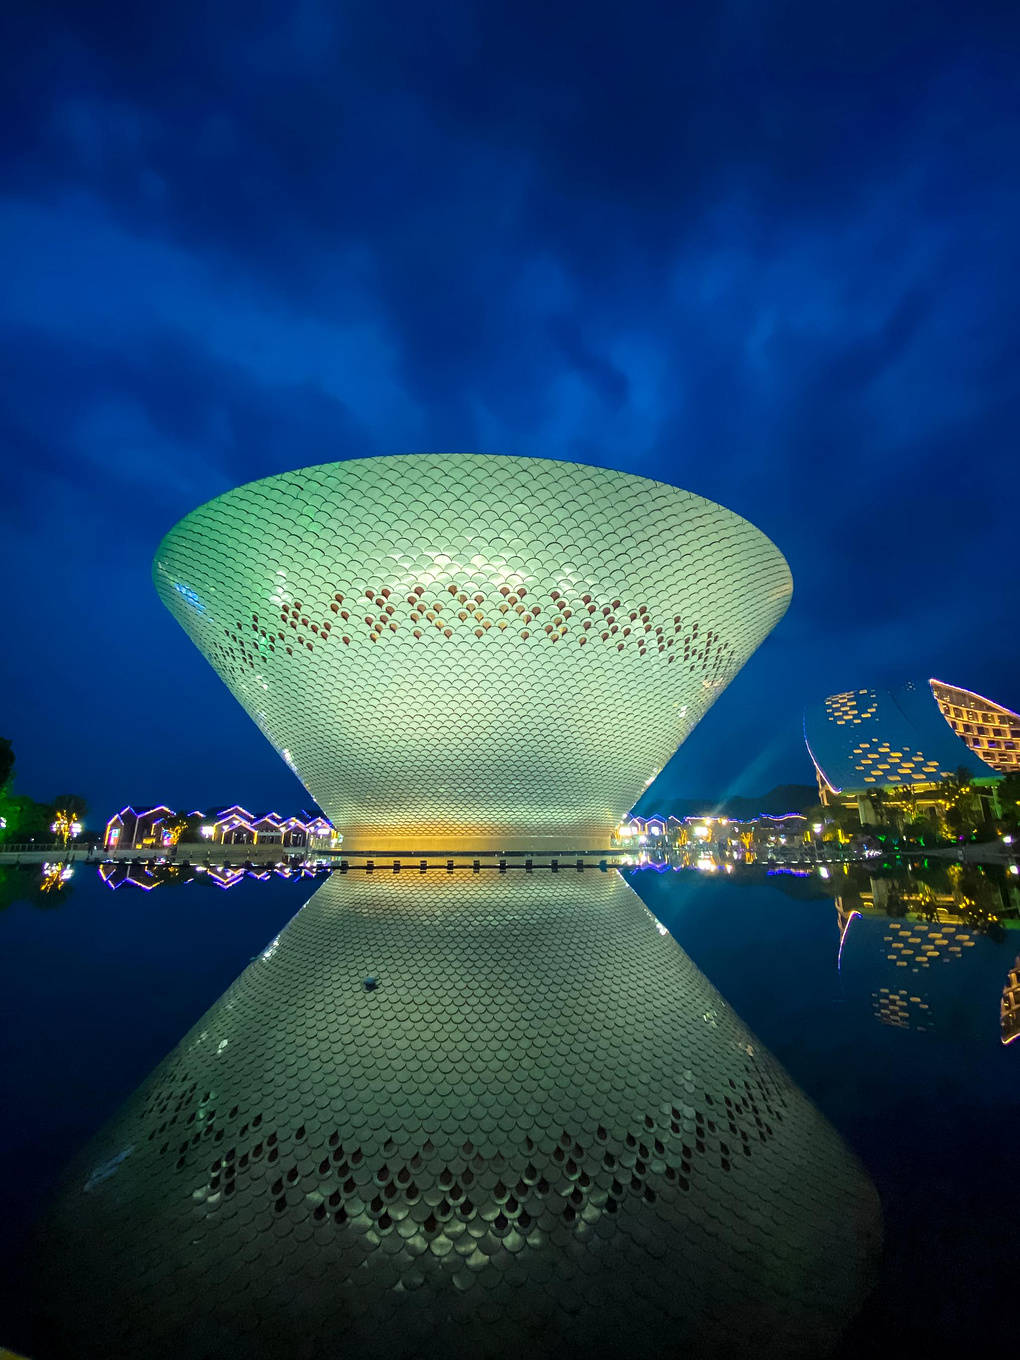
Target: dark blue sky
[765,251]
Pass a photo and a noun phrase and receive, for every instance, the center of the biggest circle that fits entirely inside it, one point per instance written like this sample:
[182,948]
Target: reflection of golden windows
[1009,1005]
[897,1007]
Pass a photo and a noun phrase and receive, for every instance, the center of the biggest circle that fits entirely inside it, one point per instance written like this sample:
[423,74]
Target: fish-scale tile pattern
[541,1132]
[470,644]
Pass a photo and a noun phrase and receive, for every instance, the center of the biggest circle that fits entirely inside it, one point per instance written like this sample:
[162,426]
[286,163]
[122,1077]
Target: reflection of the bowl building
[476,1116]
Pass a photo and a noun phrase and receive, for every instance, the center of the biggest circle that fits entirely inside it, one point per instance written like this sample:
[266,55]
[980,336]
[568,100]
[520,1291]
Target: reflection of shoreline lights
[854,916]
[116,875]
[787,871]
[151,874]
[54,876]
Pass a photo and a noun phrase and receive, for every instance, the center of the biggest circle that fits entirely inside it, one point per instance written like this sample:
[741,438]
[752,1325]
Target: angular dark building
[885,738]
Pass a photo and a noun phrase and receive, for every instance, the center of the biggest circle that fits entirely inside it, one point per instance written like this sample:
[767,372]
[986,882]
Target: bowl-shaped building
[462,651]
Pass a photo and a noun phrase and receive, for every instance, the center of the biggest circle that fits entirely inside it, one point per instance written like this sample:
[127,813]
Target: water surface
[96,986]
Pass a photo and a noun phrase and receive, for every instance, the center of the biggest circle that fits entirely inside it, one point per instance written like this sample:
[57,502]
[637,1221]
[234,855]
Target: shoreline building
[896,742]
[235,825]
[461,652]
[743,838]
[138,828]
[991,730]
[133,828]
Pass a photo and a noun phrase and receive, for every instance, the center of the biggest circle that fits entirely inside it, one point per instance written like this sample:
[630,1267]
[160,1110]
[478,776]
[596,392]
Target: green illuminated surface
[583,621]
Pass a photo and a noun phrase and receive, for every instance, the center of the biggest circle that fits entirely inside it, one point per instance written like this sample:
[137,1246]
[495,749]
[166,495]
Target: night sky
[765,251]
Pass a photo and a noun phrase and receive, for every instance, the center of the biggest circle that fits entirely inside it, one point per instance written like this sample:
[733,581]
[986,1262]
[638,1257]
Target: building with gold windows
[991,730]
[895,743]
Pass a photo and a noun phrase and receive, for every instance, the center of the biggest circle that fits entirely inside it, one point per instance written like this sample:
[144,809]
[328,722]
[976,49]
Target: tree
[885,810]
[6,762]
[26,819]
[72,803]
[956,800]
[179,826]
[1009,800]
[68,816]
[815,814]
[846,818]
[921,829]
[908,804]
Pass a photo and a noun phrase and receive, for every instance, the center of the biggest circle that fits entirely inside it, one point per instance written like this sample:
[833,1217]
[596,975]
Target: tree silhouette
[6,762]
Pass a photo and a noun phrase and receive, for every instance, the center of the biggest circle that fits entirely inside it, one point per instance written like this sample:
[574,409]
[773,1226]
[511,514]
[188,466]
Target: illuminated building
[727,835]
[896,741]
[460,651]
[135,828]
[880,738]
[989,729]
[235,825]
[132,828]
[540,1131]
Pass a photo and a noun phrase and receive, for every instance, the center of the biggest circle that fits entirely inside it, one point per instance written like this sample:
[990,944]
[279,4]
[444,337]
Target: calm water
[896,1038]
